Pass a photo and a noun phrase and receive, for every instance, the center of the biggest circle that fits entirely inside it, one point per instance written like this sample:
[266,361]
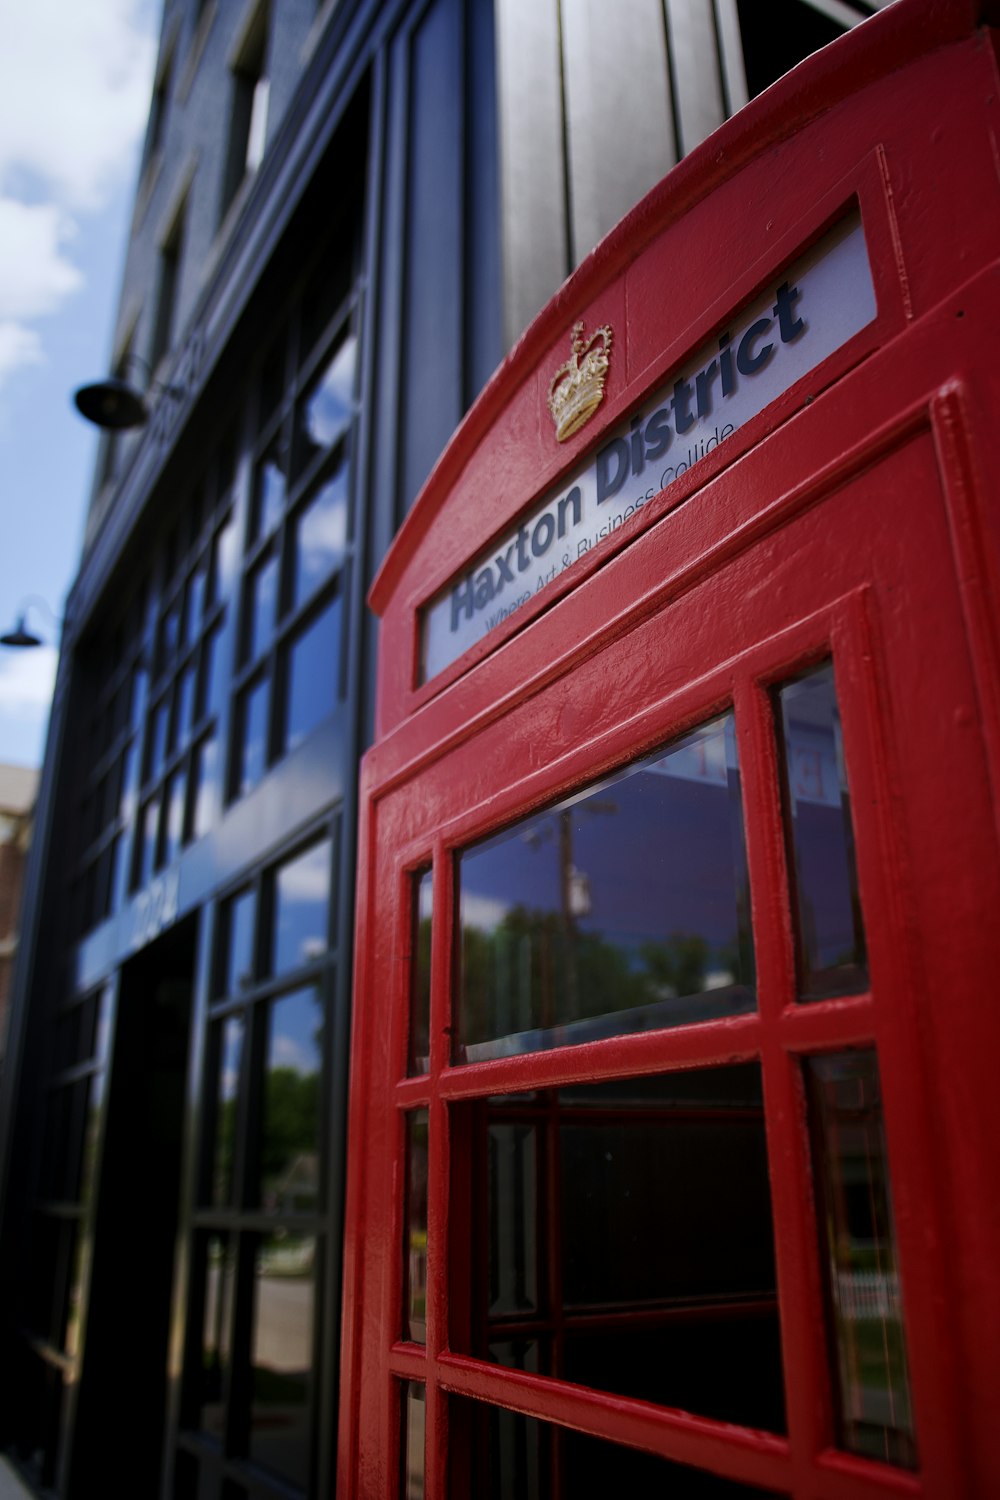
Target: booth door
[672,1017]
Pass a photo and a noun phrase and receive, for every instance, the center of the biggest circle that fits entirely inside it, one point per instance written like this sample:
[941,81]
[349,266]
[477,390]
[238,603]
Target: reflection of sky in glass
[240,914]
[301,902]
[211,676]
[269,500]
[195,601]
[261,600]
[224,560]
[290,1117]
[630,895]
[131,766]
[313,670]
[328,407]
[158,737]
[253,748]
[184,705]
[150,821]
[321,534]
[174,830]
[205,778]
[831,936]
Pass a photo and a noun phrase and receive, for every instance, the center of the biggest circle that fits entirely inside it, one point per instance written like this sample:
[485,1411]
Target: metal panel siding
[431,390]
[533,173]
[619,121]
[694,54]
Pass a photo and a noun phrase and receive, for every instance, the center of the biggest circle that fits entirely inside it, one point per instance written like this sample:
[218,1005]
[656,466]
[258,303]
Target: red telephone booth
[674,1101]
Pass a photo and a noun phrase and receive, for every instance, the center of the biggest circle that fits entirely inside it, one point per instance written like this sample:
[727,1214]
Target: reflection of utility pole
[574,896]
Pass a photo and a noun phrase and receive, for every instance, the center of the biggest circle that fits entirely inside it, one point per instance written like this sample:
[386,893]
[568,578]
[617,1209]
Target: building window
[250,89]
[166,294]
[259,1224]
[153,730]
[299,536]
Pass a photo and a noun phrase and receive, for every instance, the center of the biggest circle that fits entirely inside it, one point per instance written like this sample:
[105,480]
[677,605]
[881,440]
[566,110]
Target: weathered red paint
[856,514]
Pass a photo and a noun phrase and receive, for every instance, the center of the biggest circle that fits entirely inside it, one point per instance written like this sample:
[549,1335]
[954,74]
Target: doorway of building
[123,1385]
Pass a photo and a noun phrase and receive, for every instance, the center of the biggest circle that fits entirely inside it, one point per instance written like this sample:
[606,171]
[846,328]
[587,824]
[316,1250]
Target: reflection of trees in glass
[517,978]
[288,1146]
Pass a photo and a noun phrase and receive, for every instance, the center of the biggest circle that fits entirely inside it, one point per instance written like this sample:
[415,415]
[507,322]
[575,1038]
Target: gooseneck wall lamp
[21,635]
[116,403]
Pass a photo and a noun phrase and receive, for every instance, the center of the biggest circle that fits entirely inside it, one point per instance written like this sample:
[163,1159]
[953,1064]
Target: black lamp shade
[112,403]
[19,636]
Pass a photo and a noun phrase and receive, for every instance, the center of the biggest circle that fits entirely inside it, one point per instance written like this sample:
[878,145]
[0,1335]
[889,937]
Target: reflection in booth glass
[625,908]
[630,1240]
[821,838]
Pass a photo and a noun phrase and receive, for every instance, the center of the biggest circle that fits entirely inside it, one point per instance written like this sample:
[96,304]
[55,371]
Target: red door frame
[852,516]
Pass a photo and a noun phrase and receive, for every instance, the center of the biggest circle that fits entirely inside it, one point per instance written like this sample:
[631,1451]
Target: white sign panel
[809,311]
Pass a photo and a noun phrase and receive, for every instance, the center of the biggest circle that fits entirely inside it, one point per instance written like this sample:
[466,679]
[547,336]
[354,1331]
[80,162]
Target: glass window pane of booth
[859,1242]
[625,908]
[612,1214]
[821,839]
[513,1457]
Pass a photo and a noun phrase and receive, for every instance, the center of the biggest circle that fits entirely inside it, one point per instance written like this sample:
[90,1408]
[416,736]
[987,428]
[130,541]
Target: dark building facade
[346,214]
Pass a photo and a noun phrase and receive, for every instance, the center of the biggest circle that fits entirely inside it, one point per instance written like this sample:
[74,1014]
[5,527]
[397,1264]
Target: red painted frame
[852,517]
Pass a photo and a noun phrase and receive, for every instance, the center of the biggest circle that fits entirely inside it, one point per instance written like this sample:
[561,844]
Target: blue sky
[75,81]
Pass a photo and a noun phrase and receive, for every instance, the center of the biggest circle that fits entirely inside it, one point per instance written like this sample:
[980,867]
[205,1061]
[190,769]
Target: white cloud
[286,1052]
[35,274]
[26,681]
[484,912]
[18,346]
[75,80]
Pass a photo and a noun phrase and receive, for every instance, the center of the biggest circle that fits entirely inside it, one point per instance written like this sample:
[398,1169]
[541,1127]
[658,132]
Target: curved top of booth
[805,233]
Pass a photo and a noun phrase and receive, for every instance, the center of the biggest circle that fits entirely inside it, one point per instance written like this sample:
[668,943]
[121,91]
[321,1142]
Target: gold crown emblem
[577,388]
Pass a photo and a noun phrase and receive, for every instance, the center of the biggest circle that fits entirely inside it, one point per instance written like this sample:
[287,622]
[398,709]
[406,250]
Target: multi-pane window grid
[77,1056]
[796,1035]
[152,743]
[180,745]
[259,1225]
[291,665]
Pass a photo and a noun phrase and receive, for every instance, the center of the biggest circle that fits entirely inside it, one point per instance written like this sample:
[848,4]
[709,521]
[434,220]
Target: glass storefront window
[327,409]
[281,1355]
[251,756]
[875,1415]
[312,667]
[320,535]
[289,1166]
[229,1037]
[301,909]
[625,908]
[261,602]
[269,494]
[831,947]
[219,1271]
